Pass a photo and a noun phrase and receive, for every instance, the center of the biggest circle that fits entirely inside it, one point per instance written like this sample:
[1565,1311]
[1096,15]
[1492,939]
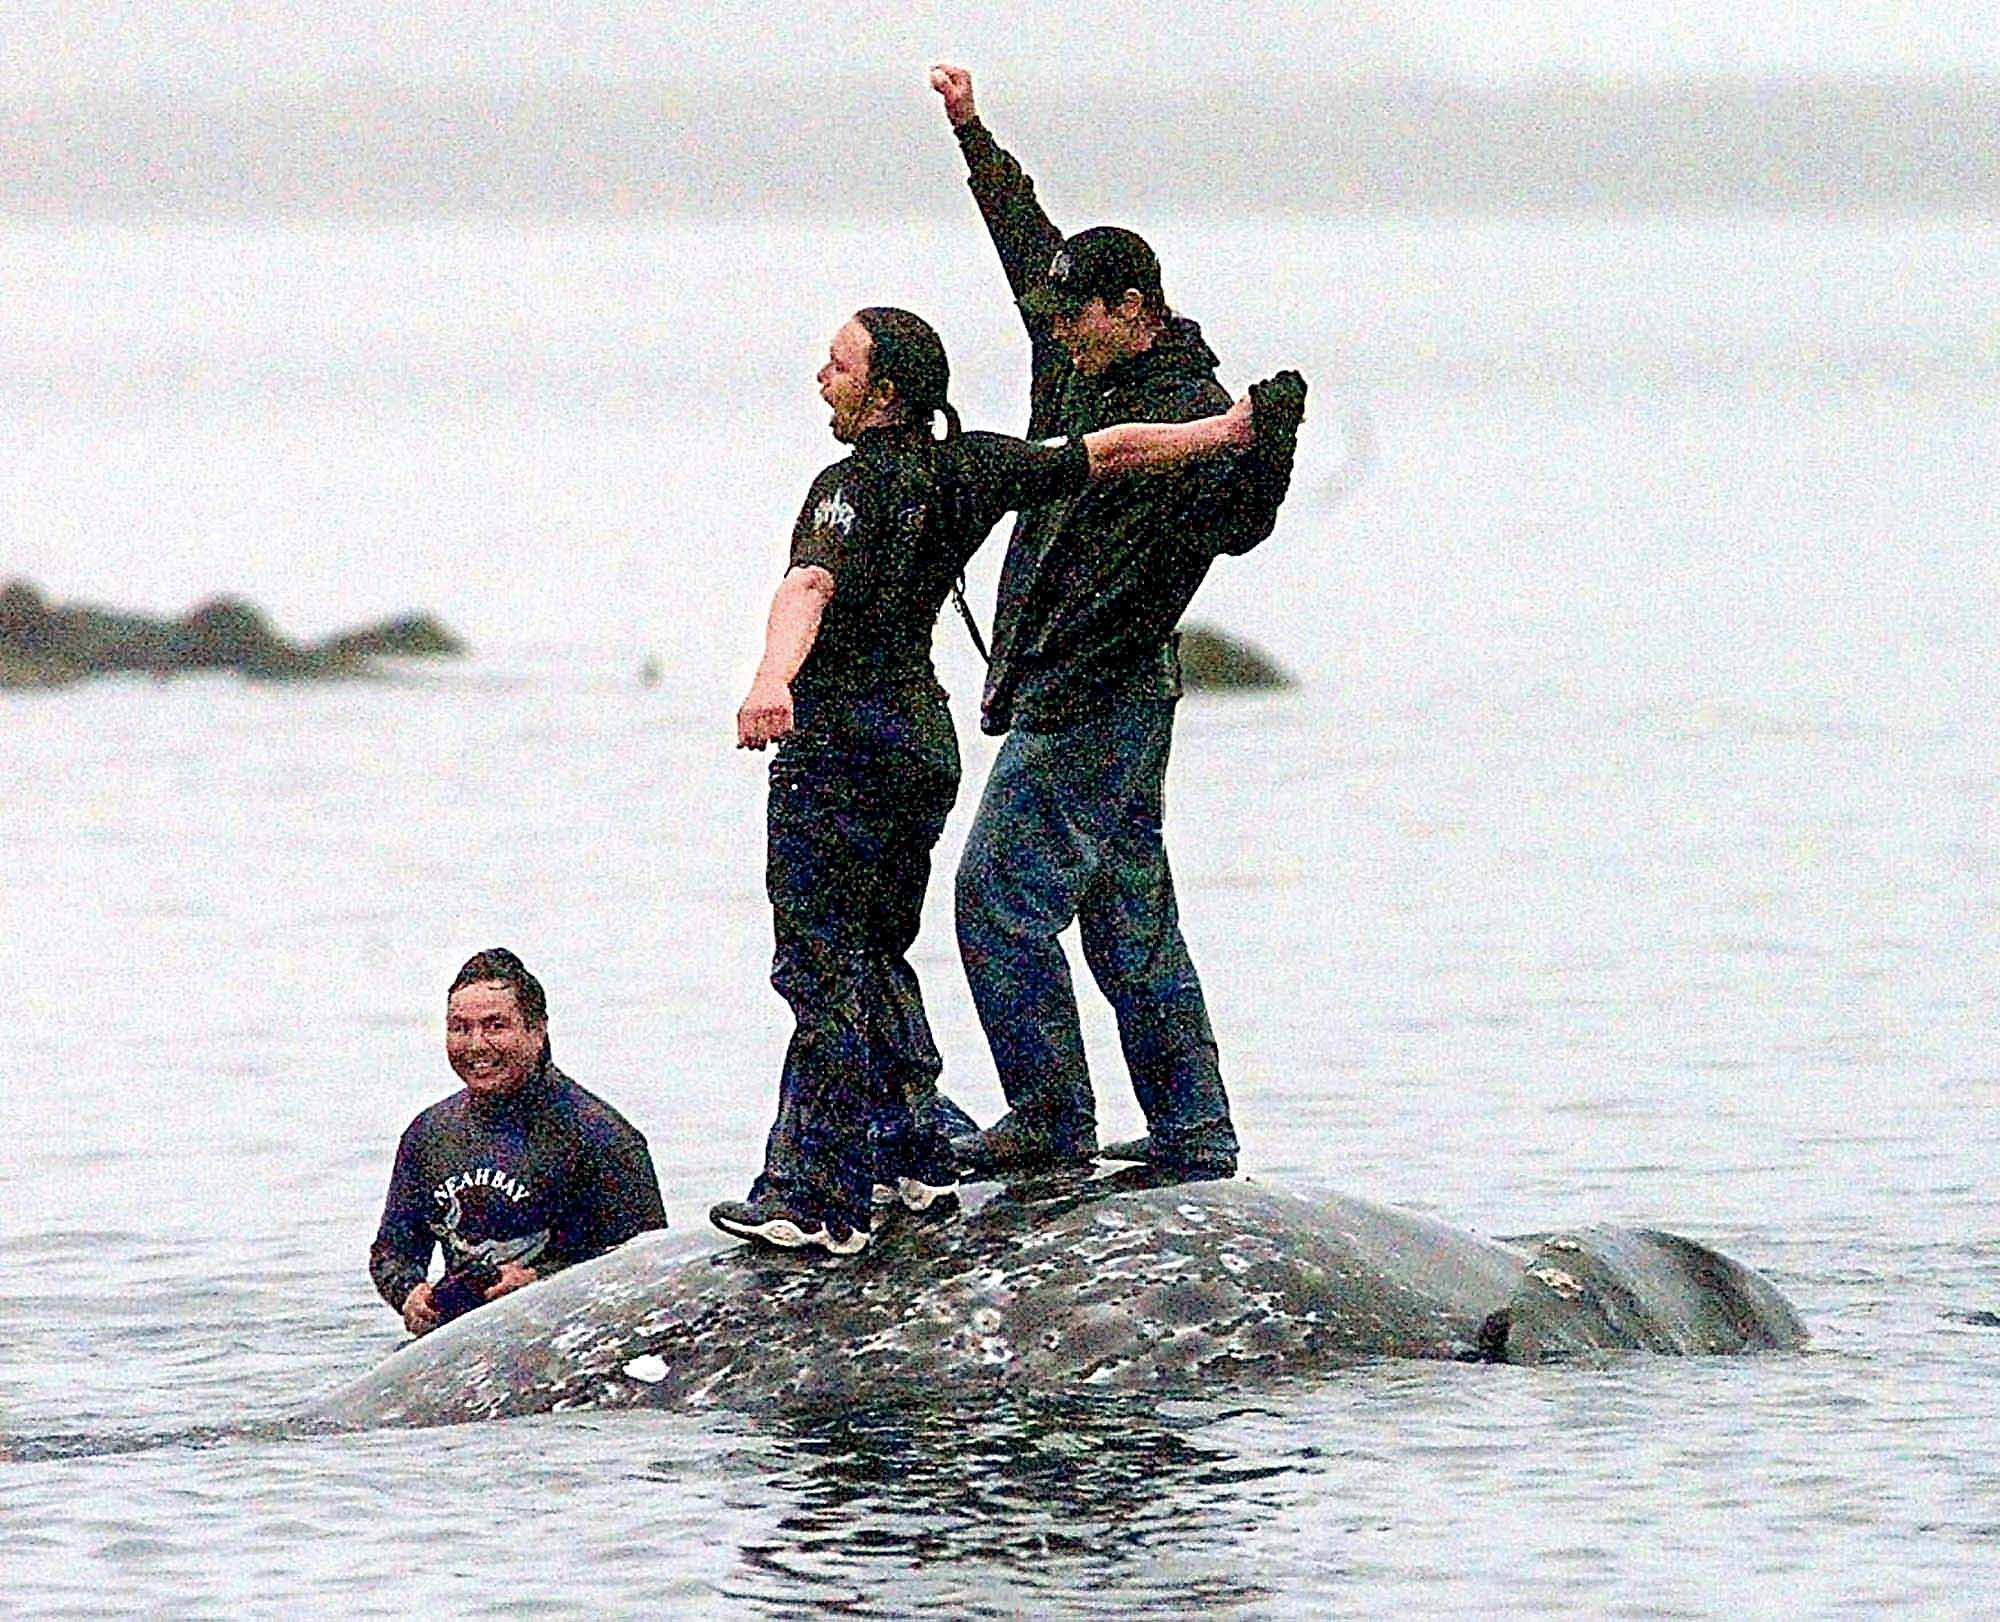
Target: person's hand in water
[512,1276]
[419,1316]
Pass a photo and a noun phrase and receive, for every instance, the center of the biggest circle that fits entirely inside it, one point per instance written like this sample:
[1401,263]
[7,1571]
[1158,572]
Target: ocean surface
[1627,852]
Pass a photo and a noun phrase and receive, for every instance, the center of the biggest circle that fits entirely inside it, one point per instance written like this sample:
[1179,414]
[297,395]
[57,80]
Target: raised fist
[955,85]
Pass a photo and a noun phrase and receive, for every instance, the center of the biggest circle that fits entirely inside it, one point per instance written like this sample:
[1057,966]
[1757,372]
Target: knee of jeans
[972,894]
[1016,897]
[1126,962]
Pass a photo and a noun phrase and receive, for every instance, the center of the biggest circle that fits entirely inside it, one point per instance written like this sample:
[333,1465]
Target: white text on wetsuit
[479,1177]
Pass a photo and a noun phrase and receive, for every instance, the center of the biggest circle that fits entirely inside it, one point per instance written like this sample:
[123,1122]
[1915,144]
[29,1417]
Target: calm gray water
[1628,853]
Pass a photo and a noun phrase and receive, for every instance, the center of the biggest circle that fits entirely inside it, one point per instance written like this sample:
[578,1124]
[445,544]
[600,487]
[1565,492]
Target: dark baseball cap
[1099,263]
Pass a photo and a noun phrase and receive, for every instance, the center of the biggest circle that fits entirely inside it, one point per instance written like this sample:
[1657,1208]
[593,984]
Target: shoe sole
[919,1196]
[1027,1170]
[786,1234]
[782,1232]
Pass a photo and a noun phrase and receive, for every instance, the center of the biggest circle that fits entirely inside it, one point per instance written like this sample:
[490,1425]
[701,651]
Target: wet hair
[496,963]
[905,350]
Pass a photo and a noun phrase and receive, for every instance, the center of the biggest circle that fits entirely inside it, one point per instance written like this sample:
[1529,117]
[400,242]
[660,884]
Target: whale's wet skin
[1097,1287]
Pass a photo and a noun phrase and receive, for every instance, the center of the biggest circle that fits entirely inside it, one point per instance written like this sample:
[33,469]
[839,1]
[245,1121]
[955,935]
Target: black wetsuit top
[546,1176]
[894,523]
[1093,588]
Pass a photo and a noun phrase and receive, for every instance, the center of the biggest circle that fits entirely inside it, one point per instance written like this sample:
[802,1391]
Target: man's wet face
[843,380]
[492,1048]
[1095,335]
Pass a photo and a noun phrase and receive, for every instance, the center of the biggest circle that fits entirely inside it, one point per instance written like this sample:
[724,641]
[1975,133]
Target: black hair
[497,963]
[905,350]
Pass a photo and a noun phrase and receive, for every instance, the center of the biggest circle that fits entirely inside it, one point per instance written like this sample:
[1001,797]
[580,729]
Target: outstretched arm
[1151,447]
[789,634]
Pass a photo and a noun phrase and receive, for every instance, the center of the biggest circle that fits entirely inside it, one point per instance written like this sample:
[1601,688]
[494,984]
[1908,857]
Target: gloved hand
[1277,406]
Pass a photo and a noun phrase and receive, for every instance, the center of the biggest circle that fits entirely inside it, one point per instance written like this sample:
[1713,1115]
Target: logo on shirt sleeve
[835,512]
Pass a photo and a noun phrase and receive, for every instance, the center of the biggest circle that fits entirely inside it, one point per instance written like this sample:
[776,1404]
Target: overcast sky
[250,47]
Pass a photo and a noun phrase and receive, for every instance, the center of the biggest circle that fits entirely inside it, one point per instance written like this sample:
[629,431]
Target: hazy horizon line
[1556,142]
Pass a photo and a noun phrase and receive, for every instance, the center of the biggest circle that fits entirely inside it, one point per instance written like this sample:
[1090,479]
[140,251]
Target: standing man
[867,765]
[517,1174]
[1083,679]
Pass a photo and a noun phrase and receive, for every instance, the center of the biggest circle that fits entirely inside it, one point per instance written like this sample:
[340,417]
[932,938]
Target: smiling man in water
[516,1175]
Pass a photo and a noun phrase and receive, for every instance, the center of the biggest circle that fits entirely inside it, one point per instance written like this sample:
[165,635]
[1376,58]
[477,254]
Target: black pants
[857,803]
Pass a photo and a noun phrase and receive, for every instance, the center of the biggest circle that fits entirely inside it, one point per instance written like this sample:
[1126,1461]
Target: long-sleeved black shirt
[546,1176]
[1093,587]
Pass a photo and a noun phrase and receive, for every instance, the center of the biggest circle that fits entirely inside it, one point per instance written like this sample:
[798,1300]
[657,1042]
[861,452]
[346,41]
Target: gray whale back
[1625,1289]
[1103,1287]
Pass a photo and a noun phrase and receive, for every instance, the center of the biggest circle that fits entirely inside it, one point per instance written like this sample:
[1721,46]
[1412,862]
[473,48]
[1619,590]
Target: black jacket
[546,1176]
[1093,586]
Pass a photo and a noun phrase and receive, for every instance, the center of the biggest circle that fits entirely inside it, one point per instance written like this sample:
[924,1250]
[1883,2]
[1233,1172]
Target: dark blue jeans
[1069,829]
[854,812]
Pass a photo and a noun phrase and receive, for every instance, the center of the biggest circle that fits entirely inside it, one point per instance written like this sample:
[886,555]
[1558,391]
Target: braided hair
[905,350]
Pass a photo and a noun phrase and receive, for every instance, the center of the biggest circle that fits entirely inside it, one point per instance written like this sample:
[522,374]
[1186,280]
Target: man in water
[1083,679]
[518,1174]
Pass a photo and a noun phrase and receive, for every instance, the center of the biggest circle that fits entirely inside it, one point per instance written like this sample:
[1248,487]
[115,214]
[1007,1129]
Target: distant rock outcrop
[45,645]
[1212,659]
[413,636]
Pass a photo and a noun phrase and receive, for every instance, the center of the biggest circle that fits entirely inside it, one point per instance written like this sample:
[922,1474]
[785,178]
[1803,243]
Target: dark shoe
[1202,1161]
[913,1201]
[918,1173]
[841,1239]
[1132,1151]
[1194,1171]
[1010,1149]
[927,1198]
[773,1221]
[932,1181]
[1164,1174]
[1204,1156]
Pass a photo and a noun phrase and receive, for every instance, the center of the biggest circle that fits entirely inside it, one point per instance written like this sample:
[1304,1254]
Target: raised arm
[1021,232]
[796,609]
